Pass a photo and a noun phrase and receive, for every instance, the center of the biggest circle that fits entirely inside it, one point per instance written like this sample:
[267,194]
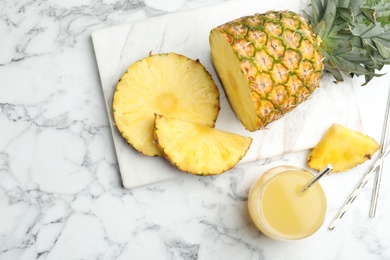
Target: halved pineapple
[268,64]
[199,149]
[342,147]
[168,84]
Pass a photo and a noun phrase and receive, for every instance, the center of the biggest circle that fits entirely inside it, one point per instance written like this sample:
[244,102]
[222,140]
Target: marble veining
[61,194]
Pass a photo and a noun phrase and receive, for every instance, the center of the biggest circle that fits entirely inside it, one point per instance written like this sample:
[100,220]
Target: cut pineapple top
[199,149]
[342,147]
[167,84]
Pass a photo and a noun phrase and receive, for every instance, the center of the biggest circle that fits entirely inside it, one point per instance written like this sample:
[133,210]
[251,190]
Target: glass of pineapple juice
[281,210]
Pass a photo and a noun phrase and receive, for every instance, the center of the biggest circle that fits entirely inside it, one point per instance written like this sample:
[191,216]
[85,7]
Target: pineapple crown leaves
[355,35]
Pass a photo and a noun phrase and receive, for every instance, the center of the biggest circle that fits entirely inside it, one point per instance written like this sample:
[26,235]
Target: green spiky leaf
[317,11]
[383,46]
[369,13]
[355,36]
[346,14]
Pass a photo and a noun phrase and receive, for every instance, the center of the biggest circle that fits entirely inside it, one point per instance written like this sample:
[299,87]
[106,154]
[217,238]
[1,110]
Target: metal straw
[358,188]
[378,175]
[317,177]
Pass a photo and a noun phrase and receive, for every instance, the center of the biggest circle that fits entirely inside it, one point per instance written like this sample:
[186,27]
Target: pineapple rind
[169,84]
[342,147]
[199,149]
[277,52]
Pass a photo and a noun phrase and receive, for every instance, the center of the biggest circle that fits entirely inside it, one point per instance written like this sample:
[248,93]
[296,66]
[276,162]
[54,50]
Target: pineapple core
[342,147]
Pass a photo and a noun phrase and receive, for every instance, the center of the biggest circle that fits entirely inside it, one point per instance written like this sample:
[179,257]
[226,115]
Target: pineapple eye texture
[266,53]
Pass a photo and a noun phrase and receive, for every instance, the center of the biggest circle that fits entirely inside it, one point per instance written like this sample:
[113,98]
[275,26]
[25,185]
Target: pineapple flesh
[168,84]
[267,63]
[342,147]
[199,149]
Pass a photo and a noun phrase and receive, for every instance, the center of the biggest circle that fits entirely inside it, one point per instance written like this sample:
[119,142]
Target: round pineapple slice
[342,147]
[199,149]
[168,84]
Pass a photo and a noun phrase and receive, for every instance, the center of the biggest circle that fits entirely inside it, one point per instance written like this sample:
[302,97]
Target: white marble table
[61,195]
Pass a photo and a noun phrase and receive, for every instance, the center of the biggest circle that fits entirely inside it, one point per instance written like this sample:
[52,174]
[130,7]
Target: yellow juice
[281,210]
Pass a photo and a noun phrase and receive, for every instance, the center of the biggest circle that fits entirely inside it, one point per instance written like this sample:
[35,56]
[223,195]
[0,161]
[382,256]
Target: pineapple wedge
[342,147]
[199,149]
[168,84]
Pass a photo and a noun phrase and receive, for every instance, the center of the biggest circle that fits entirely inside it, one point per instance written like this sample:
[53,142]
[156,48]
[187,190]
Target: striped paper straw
[378,175]
[358,188]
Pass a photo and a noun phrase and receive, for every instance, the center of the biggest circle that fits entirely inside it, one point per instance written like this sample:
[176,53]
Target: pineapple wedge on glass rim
[169,84]
[269,63]
[199,149]
[343,148]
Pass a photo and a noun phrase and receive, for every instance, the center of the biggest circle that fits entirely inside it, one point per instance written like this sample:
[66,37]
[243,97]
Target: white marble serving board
[187,33]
